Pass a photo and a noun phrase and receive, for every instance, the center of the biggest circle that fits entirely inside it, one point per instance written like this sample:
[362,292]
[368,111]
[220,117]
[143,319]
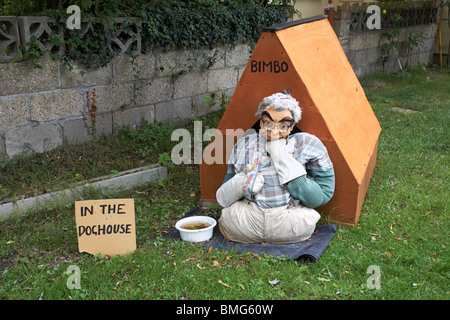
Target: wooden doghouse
[305,56]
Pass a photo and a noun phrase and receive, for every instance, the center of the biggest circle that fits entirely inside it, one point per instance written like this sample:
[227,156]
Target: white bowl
[198,235]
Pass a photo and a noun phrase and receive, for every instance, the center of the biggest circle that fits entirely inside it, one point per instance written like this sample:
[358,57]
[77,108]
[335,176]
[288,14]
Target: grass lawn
[403,229]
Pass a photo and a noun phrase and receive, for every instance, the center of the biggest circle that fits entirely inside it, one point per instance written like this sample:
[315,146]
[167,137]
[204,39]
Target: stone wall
[39,108]
[363,45]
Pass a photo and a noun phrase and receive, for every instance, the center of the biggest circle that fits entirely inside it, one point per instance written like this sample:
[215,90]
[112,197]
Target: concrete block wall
[39,108]
[363,47]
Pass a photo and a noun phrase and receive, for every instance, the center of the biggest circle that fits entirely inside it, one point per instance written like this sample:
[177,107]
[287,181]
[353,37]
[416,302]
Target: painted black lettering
[268,66]
[111,209]
[85,210]
[81,230]
[119,208]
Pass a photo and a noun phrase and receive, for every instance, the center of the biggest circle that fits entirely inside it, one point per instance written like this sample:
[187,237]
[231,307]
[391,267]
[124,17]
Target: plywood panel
[306,58]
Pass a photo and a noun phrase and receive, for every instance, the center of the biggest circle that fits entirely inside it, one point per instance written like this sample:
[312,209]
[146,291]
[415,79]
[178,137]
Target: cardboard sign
[106,226]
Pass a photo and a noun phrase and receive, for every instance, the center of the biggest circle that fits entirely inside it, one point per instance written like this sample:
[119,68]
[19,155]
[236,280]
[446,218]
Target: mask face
[277,124]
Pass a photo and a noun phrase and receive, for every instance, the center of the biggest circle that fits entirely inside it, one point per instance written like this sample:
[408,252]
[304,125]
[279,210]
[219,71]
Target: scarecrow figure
[275,179]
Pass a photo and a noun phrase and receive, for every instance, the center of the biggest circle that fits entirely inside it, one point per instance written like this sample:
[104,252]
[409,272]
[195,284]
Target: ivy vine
[168,24]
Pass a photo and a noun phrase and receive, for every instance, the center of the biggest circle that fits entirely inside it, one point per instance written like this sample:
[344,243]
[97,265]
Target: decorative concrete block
[127,38]
[38,138]
[133,117]
[56,105]
[13,112]
[9,39]
[42,28]
[176,111]
[21,77]
[92,25]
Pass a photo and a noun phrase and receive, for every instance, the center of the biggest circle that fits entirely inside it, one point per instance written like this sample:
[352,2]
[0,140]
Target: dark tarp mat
[308,251]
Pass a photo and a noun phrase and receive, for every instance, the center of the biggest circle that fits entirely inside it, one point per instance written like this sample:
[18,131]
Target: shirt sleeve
[313,190]
[231,168]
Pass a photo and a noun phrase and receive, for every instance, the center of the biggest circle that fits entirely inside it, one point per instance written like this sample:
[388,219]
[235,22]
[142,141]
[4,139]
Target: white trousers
[244,221]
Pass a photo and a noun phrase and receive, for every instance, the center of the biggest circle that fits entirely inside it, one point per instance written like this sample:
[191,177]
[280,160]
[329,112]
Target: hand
[280,147]
[281,153]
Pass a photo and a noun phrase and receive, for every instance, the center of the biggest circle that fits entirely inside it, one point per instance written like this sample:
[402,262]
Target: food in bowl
[196,228]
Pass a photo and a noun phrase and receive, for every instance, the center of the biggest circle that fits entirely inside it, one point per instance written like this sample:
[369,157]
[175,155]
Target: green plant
[165,160]
[415,40]
[32,52]
[223,100]
[390,48]
[168,24]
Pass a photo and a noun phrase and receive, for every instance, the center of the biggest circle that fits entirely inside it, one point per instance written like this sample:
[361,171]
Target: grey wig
[279,102]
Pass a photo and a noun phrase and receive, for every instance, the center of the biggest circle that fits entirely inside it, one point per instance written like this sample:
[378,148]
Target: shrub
[168,24]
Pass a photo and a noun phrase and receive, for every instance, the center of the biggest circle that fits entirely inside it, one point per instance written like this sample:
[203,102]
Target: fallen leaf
[216,264]
[198,266]
[224,284]
[209,250]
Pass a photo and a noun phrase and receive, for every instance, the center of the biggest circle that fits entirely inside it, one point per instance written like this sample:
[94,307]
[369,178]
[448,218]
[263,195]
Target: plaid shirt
[309,151]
